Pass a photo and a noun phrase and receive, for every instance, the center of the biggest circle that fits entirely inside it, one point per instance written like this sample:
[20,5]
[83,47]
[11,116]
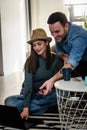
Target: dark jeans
[81,70]
[38,105]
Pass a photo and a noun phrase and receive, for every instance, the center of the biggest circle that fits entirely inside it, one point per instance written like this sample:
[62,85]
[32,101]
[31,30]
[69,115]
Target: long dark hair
[32,62]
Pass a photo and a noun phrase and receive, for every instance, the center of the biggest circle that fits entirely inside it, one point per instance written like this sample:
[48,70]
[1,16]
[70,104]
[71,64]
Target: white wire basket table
[72,104]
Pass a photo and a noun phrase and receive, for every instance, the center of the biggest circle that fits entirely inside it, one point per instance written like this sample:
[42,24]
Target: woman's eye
[39,44]
[34,45]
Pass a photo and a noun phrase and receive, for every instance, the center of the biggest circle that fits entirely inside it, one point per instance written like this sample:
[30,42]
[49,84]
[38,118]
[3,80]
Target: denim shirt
[75,45]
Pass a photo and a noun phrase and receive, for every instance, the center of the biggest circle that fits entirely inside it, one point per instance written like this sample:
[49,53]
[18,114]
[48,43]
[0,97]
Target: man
[71,47]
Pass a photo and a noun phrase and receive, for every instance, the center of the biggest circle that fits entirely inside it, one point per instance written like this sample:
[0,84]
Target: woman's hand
[25,113]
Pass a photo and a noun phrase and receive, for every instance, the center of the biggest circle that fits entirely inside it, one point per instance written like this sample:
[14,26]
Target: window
[77,11]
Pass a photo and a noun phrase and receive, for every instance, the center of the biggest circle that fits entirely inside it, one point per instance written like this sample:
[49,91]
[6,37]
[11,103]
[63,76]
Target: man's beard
[64,38]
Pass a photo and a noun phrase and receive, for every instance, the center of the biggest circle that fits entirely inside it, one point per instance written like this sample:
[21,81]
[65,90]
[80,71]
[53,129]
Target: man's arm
[48,85]
[64,57]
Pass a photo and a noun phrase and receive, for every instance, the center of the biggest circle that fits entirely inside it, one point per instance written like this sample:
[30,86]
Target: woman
[39,67]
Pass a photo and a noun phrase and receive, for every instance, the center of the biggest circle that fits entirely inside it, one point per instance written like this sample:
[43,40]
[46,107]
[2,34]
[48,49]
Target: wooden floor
[10,85]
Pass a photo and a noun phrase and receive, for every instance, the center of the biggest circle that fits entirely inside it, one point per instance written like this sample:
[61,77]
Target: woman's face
[40,47]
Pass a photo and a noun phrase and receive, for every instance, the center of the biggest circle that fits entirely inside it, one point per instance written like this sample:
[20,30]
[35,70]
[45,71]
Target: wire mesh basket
[72,104]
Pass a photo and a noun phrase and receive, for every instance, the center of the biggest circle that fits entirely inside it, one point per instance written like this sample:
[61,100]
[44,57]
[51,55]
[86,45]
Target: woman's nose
[37,47]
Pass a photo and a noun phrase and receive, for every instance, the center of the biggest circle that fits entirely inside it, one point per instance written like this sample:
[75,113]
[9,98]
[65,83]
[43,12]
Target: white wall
[13,29]
[41,9]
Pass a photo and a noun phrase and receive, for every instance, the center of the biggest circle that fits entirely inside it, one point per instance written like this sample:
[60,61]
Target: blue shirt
[75,45]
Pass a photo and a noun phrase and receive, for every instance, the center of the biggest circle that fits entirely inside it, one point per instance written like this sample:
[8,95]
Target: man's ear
[66,27]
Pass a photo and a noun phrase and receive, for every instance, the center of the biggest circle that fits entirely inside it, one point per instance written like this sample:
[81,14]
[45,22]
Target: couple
[42,68]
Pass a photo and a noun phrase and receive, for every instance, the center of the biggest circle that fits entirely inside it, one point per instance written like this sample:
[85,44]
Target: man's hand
[46,87]
[49,84]
[68,66]
[25,113]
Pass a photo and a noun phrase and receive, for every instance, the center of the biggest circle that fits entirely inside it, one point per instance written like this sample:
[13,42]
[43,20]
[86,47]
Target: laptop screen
[10,117]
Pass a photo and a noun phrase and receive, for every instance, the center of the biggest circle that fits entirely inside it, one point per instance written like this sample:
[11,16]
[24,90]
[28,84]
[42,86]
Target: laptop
[10,117]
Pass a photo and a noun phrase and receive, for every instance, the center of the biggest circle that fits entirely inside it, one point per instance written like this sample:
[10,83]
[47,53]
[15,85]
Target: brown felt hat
[39,34]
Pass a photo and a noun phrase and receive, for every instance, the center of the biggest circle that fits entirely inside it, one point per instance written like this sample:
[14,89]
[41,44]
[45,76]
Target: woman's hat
[39,34]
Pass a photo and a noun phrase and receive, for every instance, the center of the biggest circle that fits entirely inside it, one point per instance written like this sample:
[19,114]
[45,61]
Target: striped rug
[45,122]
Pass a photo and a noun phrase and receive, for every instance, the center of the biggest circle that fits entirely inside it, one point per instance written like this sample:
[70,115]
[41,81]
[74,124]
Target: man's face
[58,31]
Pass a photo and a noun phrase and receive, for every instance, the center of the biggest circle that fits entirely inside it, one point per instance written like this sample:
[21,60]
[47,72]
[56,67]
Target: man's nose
[54,35]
